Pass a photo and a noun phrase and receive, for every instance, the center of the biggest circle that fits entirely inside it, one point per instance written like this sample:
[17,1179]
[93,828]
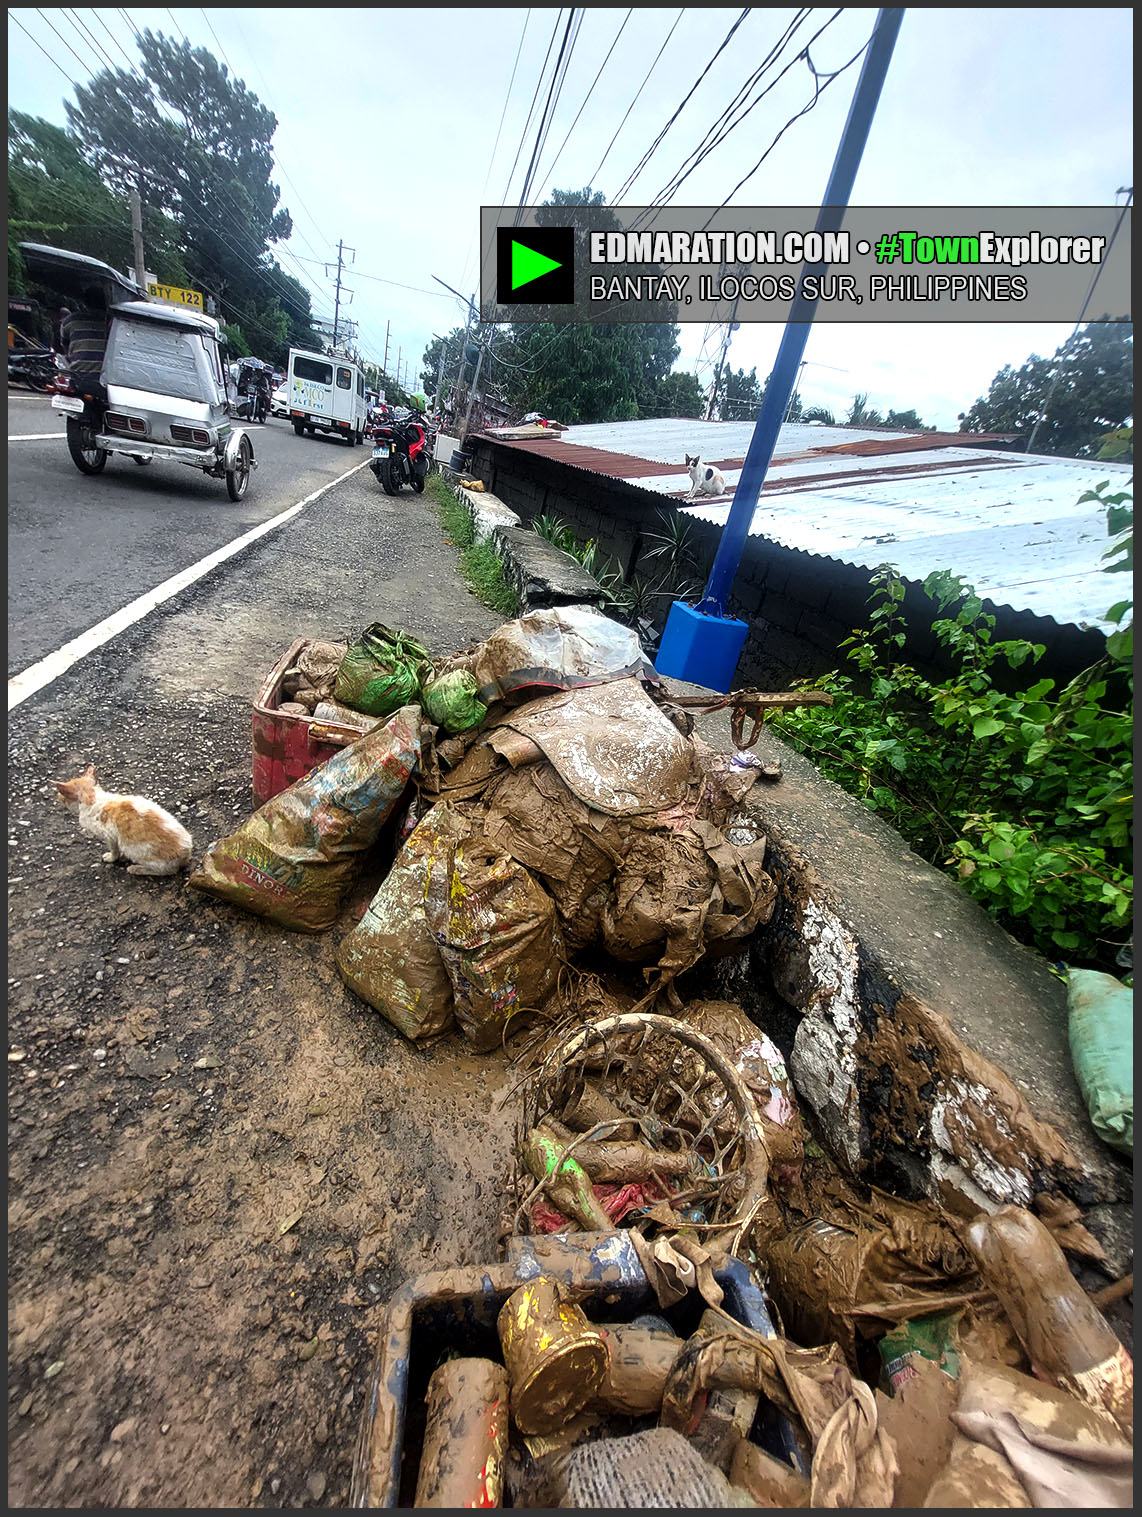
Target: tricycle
[161,391]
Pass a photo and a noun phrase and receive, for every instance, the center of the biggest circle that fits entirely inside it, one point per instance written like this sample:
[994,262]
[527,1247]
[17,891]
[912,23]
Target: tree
[198,143]
[739,395]
[861,415]
[1069,402]
[818,413]
[907,421]
[589,371]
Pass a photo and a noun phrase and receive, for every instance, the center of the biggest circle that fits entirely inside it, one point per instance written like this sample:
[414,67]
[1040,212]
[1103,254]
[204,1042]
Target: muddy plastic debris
[556,1360]
[1020,1442]
[294,858]
[465,1440]
[552,649]
[1067,1339]
[382,670]
[641,1358]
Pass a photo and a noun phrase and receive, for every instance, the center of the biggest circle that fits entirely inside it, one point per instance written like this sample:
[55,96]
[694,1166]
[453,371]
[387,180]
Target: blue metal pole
[801,313]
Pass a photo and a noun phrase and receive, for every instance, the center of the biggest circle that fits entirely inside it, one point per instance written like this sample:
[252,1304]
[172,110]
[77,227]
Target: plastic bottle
[1065,1336]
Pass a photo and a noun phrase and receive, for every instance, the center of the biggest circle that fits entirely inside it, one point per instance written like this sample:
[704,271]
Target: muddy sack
[497,932]
[292,860]
[391,959]
[382,671]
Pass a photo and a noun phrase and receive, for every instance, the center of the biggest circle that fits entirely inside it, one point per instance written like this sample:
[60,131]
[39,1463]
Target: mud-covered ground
[221,1162]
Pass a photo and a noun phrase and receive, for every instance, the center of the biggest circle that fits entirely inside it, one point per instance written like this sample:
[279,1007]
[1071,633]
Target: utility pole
[385,360]
[439,381]
[702,643]
[475,383]
[341,251]
[137,238]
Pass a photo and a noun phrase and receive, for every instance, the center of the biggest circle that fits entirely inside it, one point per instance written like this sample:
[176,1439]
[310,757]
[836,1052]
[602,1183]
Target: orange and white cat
[136,829]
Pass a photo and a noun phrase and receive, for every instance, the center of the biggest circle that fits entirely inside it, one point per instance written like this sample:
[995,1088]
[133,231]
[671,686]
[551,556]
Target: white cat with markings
[136,829]
[704,478]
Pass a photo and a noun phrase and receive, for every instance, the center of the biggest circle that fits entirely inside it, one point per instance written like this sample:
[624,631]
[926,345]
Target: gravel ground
[221,1163]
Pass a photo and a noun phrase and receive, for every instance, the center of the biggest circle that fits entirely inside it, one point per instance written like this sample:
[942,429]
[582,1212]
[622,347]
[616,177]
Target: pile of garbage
[569,852]
[701,1402]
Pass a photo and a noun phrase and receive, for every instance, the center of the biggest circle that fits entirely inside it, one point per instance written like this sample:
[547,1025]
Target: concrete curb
[541,574]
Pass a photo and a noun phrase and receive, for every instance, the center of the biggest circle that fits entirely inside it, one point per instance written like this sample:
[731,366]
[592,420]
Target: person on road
[83,333]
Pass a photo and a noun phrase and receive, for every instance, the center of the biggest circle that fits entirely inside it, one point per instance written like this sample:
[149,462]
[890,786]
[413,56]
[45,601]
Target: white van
[326,394]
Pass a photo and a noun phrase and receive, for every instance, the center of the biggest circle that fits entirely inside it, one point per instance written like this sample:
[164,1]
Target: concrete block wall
[799,607]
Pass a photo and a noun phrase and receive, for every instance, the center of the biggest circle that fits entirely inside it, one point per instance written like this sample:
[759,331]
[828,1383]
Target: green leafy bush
[1026,798]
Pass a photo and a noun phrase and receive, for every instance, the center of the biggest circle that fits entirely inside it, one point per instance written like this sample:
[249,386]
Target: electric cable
[599,167]
[583,107]
[43,50]
[646,157]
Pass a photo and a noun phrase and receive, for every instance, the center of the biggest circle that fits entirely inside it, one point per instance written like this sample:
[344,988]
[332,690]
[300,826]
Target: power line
[586,97]
[96,47]
[86,67]
[574,22]
[818,90]
[531,108]
[728,121]
[653,148]
[598,170]
[111,34]
[43,50]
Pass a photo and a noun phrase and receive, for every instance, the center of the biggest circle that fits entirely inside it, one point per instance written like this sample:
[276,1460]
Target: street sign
[172,295]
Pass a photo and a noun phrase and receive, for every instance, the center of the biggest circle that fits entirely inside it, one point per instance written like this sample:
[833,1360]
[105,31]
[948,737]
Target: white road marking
[34,436]
[42,673]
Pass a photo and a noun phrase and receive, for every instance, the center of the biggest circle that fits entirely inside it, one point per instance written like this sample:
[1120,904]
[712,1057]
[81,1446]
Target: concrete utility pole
[137,238]
[385,359]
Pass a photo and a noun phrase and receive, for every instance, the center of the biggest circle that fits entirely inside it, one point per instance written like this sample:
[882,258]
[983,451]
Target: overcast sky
[388,124]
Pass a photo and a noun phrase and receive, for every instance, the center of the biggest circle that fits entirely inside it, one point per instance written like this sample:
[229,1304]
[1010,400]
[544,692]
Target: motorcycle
[400,454]
[36,369]
[253,402]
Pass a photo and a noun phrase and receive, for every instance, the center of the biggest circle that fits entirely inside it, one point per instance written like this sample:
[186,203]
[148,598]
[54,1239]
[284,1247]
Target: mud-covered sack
[497,931]
[453,701]
[293,860]
[1101,1024]
[382,671]
[391,959]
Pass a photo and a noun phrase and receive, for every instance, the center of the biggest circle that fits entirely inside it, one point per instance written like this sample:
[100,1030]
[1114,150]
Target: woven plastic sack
[293,859]
[498,935]
[1101,1022]
[391,959]
[382,671]
[453,702]
[657,1468]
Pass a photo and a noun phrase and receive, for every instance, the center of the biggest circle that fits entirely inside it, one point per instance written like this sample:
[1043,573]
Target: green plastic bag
[1101,1018]
[382,671]
[453,701]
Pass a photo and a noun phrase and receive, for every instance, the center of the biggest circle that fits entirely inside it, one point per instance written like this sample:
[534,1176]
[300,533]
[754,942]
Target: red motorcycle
[400,453]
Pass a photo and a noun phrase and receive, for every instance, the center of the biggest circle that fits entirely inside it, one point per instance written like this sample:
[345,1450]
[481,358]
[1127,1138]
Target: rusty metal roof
[1009,523]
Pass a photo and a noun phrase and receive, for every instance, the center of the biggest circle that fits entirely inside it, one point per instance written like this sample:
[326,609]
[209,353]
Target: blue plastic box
[701,649]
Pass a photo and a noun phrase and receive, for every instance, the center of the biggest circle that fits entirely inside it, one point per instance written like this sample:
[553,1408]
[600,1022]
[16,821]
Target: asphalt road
[80,548]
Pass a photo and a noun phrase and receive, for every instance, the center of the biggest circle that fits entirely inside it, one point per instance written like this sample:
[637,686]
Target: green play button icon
[535,265]
[527,264]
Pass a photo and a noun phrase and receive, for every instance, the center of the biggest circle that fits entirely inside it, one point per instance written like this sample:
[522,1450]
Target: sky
[397,123]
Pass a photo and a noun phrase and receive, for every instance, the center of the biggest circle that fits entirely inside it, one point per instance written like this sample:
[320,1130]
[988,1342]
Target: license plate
[382,451]
[68,403]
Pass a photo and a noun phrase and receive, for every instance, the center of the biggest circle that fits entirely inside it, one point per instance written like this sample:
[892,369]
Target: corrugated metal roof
[1009,524]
